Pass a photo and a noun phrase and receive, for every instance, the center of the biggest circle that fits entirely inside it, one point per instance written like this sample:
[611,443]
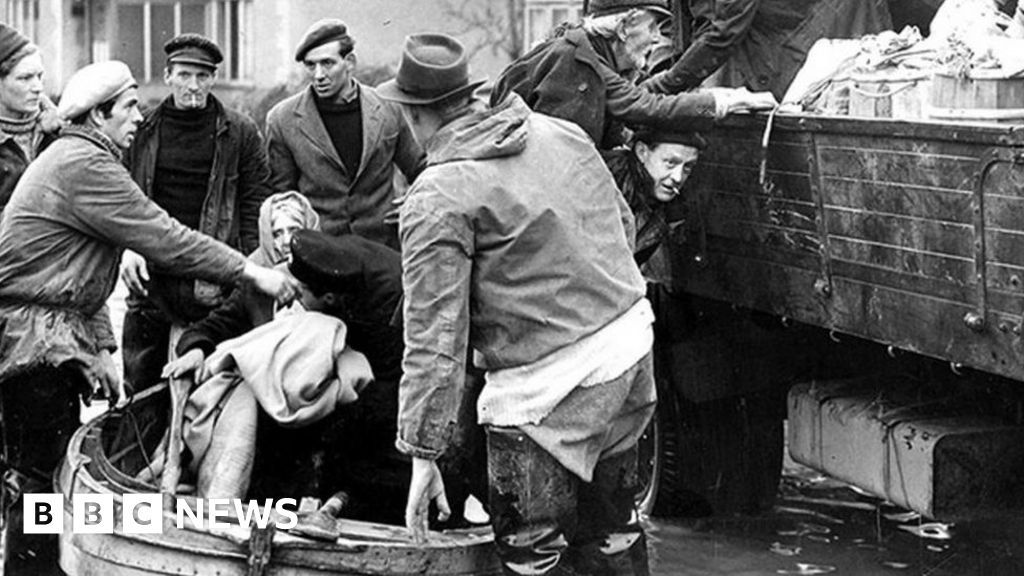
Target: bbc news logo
[144,513]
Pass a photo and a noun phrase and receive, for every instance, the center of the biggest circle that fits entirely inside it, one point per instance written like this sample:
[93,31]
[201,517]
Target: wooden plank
[753,232]
[740,180]
[948,172]
[957,270]
[904,232]
[765,209]
[785,156]
[963,148]
[880,313]
[900,199]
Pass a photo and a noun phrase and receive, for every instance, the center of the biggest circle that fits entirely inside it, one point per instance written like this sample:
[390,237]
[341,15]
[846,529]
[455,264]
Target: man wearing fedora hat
[206,165]
[515,244]
[585,74]
[70,217]
[338,143]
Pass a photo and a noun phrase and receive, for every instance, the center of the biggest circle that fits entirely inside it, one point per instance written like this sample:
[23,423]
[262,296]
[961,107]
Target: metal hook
[832,336]
[956,367]
[786,321]
[891,351]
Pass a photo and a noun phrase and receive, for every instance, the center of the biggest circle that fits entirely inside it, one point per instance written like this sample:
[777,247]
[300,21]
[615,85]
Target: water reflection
[820,526]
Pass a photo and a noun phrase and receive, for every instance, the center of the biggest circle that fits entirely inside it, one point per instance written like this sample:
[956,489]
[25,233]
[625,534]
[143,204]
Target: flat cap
[93,85]
[193,49]
[606,7]
[10,42]
[322,32]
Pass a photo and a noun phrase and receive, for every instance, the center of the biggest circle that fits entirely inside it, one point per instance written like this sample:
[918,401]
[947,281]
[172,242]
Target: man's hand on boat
[425,487]
[188,364]
[281,286]
[134,273]
[733,100]
[101,374]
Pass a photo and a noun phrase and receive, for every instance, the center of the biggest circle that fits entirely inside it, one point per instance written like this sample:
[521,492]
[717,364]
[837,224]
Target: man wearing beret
[70,217]
[338,143]
[514,243]
[585,74]
[206,165]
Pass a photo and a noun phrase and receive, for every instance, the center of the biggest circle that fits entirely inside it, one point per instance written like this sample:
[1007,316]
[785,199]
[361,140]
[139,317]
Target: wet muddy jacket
[566,78]
[72,214]
[303,158]
[238,184]
[513,242]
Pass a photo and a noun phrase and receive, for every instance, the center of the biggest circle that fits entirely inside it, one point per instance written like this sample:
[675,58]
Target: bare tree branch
[493,24]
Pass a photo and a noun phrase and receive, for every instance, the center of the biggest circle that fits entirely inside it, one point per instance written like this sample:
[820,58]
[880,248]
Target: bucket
[983,96]
[888,94]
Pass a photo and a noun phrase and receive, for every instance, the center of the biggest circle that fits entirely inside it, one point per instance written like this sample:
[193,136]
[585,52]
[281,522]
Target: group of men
[516,245]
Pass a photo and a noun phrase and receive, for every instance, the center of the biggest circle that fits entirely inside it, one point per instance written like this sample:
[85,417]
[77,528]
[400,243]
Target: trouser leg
[144,340]
[532,505]
[40,413]
[611,540]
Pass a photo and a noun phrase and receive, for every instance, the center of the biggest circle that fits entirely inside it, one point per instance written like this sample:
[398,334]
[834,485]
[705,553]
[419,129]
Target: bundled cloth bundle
[297,368]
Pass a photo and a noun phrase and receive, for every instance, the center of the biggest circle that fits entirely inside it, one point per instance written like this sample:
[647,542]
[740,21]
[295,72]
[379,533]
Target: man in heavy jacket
[585,74]
[61,237]
[338,143]
[206,165]
[513,244]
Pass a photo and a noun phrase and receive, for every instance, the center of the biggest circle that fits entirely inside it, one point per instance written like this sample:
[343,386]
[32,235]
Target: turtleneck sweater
[183,161]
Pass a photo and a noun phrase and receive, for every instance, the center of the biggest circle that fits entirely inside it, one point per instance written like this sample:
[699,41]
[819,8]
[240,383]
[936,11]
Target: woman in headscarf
[28,121]
[280,216]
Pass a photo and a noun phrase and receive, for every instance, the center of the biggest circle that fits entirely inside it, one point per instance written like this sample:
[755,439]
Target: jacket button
[582,87]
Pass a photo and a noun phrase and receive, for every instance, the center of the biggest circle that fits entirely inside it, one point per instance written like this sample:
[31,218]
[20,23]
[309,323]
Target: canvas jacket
[303,158]
[513,243]
[72,214]
[564,77]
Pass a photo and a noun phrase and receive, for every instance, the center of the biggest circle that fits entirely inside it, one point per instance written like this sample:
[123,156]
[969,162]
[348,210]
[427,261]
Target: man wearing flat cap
[515,242]
[72,214]
[338,143]
[206,165]
[585,74]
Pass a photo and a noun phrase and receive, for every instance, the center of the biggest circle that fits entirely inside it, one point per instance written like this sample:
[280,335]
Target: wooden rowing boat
[104,457]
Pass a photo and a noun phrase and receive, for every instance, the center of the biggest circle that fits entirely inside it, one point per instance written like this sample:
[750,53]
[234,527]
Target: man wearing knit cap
[585,74]
[206,165]
[338,143]
[72,214]
[27,117]
[514,244]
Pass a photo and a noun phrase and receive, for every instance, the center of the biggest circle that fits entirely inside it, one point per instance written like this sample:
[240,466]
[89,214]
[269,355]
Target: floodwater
[821,526]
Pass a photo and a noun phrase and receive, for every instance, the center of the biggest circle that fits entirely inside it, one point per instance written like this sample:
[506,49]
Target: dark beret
[330,263]
[193,49]
[10,42]
[653,136]
[322,32]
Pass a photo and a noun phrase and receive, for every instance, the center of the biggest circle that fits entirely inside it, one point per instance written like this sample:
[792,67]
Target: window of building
[542,16]
[141,27]
[23,16]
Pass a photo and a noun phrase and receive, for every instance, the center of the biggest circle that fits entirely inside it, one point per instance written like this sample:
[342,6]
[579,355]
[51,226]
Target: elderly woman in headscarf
[28,121]
[281,215]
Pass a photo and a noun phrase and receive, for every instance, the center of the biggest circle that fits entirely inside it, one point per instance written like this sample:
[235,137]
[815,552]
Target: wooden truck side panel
[910,234]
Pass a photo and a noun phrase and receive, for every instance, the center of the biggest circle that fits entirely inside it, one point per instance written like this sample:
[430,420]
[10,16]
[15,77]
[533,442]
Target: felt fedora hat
[433,67]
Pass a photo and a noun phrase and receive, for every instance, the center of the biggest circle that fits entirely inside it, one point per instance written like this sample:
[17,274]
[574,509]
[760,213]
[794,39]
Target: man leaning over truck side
[70,217]
[513,243]
[585,73]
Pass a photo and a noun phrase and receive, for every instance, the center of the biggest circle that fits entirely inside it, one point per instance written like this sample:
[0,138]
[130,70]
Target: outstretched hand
[426,486]
[187,364]
[281,286]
